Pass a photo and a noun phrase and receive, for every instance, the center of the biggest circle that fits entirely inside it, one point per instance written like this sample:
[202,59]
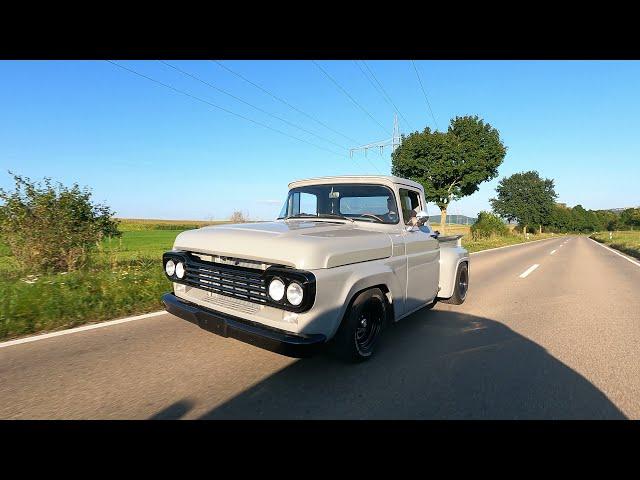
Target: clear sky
[150,152]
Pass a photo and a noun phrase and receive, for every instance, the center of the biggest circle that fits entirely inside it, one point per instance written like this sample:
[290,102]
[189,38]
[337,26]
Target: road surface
[560,340]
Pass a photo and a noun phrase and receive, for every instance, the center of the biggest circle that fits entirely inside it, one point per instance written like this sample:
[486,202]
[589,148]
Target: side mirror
[422,218]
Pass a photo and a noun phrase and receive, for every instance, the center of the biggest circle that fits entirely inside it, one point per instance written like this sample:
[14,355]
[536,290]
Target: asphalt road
[560,342]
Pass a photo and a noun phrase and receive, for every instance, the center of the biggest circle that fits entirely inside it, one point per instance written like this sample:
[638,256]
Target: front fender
[336,287]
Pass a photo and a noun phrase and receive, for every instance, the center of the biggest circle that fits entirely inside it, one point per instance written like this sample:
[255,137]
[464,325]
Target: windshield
[366,203]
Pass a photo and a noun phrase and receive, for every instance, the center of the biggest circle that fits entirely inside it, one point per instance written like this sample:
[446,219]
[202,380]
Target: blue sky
[150,152]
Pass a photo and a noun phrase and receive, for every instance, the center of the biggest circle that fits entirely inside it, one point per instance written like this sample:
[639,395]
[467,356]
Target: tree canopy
[450,165]
[630,217]
[526,198]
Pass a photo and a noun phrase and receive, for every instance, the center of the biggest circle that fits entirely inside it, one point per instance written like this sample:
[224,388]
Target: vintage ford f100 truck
[347,256]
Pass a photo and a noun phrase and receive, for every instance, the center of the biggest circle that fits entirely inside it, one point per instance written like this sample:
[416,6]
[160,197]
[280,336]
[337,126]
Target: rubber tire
[344,343]
[457,298]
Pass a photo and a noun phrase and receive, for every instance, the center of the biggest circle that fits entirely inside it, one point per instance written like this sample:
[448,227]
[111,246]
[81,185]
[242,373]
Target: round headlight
[276,289]
[170,268]
[295,293]
[180,270]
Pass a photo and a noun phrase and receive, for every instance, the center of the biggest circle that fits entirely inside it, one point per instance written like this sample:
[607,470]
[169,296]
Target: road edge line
[83,328]
[514,245]
[620,254]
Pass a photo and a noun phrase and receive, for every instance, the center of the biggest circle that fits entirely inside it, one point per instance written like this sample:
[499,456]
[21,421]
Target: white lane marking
[561,246]
[526,273]
[617,253]
[553,251]
[44,336]
[514,245]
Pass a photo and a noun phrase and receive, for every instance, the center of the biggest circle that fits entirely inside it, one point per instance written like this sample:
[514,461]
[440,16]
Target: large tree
[526,198]
[450,165]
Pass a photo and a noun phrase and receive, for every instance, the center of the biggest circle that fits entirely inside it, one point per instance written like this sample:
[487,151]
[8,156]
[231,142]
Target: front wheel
[461,285]
[359,332]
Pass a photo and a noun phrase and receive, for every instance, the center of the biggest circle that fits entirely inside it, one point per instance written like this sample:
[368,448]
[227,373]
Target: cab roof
[376,179]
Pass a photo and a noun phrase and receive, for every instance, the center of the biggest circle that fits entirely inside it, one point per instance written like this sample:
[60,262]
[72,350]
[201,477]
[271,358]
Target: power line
[425,94]
[226,110]
[223,109]
[281,100]
[349,96]
[251,105]
[382,91]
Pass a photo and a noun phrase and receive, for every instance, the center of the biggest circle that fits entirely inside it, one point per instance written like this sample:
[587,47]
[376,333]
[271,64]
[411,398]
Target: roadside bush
[52,227]
[238,217]
[488,225]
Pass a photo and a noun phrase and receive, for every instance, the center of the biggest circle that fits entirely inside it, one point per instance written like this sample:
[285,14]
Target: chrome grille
[232,303]
[238,282]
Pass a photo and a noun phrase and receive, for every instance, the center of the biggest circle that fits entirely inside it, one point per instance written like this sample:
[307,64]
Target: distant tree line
[577,219]
[530,200]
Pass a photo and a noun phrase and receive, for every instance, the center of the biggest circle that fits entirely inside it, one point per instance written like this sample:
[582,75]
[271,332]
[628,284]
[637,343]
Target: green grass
[124,278]
[61,301]
[141,244]
[495,242]
[627,242]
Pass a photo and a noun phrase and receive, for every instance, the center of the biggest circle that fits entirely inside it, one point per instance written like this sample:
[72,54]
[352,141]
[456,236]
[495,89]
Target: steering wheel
[372,215]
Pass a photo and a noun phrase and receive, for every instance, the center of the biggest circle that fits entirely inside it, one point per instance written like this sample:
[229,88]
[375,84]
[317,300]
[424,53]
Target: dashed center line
[526,273]
[553,251]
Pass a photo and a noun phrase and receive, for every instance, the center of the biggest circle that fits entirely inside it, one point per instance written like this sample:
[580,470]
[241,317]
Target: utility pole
[394,141]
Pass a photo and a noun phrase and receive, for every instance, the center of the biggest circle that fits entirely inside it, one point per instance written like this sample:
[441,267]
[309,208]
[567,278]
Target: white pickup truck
[346,257]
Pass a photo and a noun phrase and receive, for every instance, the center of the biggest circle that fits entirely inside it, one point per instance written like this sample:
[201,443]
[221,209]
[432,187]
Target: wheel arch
[355,293]
[448,285]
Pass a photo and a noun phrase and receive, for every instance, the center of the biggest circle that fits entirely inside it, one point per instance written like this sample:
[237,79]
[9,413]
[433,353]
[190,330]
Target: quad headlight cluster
[174,269]
[294,291]
[290,289]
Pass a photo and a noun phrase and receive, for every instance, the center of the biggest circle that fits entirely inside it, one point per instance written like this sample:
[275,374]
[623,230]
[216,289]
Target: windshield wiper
[335,215]
[323,215]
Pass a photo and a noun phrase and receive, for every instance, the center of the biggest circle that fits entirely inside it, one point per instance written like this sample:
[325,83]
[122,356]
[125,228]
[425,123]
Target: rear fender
[450,259]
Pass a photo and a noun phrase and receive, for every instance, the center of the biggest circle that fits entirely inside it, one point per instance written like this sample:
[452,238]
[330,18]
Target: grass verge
[125,278]
[627,242]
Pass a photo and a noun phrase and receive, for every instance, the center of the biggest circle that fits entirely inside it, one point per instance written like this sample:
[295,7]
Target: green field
[125,278]
[627,242]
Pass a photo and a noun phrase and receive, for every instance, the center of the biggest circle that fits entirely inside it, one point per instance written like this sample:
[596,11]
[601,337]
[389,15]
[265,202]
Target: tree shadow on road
[431,365]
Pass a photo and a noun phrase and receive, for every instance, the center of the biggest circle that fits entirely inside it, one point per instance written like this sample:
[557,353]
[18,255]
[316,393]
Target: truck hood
[300,244]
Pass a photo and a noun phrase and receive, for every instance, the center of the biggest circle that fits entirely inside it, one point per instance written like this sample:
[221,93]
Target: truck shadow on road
[432,365]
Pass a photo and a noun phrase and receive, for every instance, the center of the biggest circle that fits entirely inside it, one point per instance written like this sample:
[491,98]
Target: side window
[410,204]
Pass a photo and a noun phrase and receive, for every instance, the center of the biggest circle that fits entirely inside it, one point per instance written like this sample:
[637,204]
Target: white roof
[384,179]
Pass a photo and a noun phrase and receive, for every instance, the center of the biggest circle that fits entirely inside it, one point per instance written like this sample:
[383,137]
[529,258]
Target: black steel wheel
[360,330]
[461,286]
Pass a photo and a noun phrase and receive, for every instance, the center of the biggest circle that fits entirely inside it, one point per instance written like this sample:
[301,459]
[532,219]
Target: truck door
[423,254]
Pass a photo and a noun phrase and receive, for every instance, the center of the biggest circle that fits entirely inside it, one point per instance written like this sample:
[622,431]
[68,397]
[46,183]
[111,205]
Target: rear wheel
[461,285]
[359,332]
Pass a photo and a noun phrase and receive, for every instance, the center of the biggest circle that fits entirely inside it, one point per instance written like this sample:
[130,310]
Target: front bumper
[279,341]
